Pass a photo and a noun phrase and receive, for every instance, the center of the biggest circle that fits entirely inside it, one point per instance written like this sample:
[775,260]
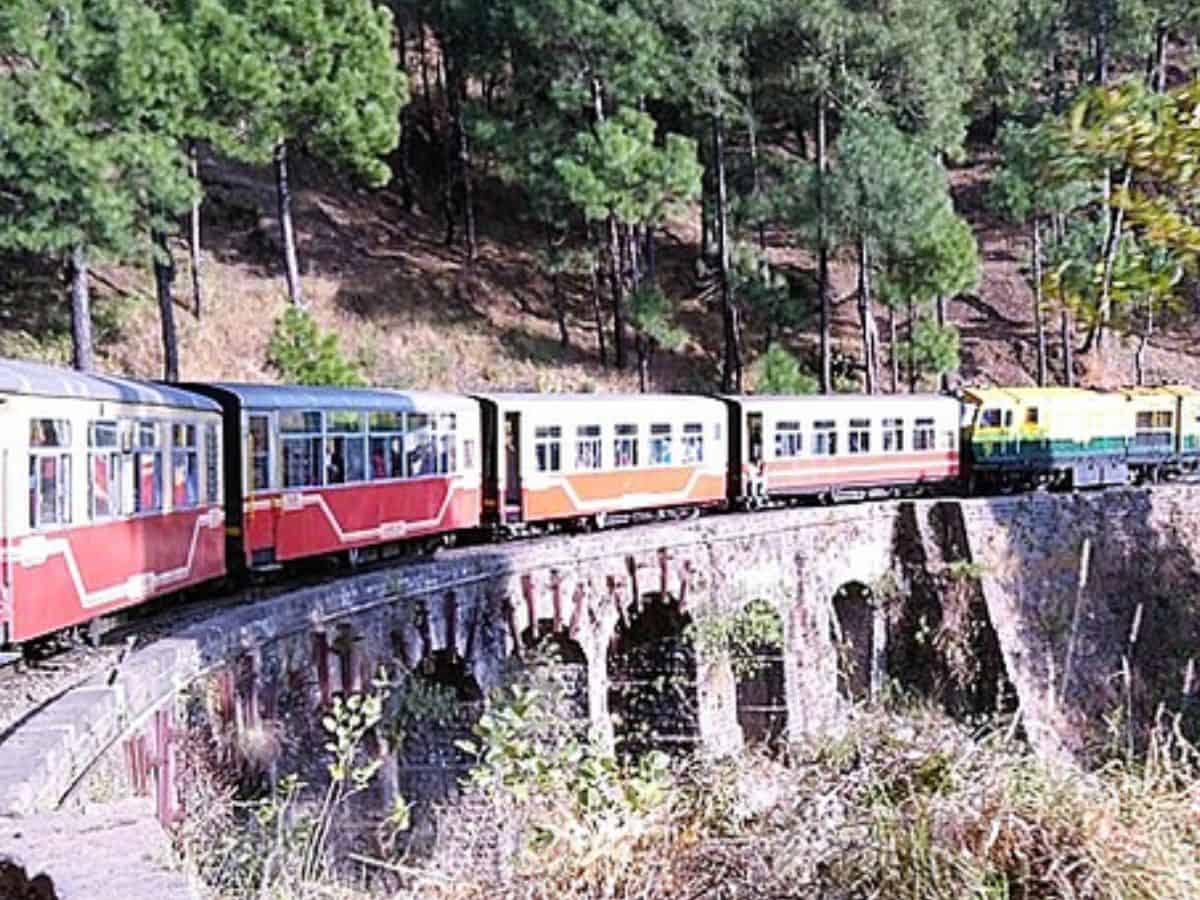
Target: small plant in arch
[745,636]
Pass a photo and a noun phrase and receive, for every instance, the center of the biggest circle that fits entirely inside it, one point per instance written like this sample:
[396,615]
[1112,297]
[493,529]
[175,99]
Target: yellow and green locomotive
[1077,437]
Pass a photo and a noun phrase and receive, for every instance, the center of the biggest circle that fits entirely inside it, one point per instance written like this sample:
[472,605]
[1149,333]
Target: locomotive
[114,491]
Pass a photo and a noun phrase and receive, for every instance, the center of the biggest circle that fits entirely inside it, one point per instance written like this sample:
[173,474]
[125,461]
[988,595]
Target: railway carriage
[840,446]
[111,494]
[319,470]
[589,458]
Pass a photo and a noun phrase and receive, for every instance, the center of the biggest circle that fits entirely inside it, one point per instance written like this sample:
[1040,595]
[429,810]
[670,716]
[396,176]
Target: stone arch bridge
[1026,601]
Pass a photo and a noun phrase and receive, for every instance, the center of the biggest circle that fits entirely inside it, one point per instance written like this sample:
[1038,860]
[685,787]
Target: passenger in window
[335,466]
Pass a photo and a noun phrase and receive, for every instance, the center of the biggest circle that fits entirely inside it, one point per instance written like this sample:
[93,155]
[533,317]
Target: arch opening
[757,658]
[652,680]
[852,628]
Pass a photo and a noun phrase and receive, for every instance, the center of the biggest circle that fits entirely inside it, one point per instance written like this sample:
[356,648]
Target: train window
[447,428]
[260,453]
[302,448]
[345,450]
[387,445]
[824,441]
[587,447]
[1154,429]
[420,445]
[1031,416]
[860,436]
[893,435]
[789,440]
[49,472]
[49,433]
[990,418]
[212,465]
[693,443]
[660,444]
[300,422]
[1163,419]
[949,439]
[468,455]
[625,446]
[547,448]
[104,470]
[147,468]
[185,467]
[924,436]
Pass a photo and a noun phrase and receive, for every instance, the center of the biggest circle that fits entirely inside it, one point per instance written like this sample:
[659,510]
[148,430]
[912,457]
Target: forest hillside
[513,197]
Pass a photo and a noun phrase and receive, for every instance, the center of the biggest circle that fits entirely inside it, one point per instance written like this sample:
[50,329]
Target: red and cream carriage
[317,470]
[111,495]
[841,445]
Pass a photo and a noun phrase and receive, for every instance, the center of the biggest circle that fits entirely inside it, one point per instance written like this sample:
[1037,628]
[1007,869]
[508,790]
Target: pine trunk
[731,376]
[1139,358]
[651,255]
[643,355]
[1039,324]
[617,286]
[194,234]
[462,146]
[164,279]
[912,347]
[943,377]
[82,349]
[892,350]
[1161,34]
[823,250]
[449,158]
[1067,350]
[598,312]
[867,320]
[284,196]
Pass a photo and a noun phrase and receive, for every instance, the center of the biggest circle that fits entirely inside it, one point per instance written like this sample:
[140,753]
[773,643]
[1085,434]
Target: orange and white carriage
[587,459]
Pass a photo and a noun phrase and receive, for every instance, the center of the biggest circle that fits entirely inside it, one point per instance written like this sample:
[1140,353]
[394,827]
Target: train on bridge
[114,491]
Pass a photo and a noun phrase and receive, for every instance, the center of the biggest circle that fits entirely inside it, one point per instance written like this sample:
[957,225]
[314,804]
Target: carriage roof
[38,380]
[288,396]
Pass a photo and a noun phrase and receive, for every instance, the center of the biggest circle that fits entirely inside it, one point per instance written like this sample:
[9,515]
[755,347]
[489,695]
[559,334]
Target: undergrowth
[904,804]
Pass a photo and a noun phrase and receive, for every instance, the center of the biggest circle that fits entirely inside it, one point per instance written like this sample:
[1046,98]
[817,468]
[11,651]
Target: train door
[757,470]
[512,466]
[260,518]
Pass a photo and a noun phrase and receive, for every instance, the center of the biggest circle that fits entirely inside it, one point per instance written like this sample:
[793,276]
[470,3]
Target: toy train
[116,491]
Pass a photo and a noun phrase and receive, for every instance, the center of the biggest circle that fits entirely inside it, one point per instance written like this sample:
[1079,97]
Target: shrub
[302,354]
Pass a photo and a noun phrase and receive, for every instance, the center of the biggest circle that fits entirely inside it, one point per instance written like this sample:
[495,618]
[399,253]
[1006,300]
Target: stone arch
[652,678]
[760,682]
[855,634]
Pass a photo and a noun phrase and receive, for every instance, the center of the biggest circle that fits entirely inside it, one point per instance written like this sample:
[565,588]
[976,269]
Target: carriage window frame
[106,451]
[446,442]
[625,445]
[259,453]
[789,439]
[212,464]
[824,437]
[662,443]
[301,428]
[345,459]
[185,460]
[589,448]
[893,434]
[547,448]
[148,447]
[420,445]
[50,447]
[924,434]
[385,445]
[991,417]
[693,443]
[858,437]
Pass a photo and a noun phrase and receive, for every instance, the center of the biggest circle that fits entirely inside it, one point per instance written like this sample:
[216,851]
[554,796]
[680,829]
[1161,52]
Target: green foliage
[767,291]
[744,636]
[617,169]
[933,349]
[650,315]
[302,354]
[89,112]
[779,372]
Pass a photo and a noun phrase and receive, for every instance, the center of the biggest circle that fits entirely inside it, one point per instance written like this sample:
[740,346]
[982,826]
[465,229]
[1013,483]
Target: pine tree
[89,153]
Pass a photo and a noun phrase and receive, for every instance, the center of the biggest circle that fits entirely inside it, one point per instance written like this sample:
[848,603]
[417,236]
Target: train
[115,491]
